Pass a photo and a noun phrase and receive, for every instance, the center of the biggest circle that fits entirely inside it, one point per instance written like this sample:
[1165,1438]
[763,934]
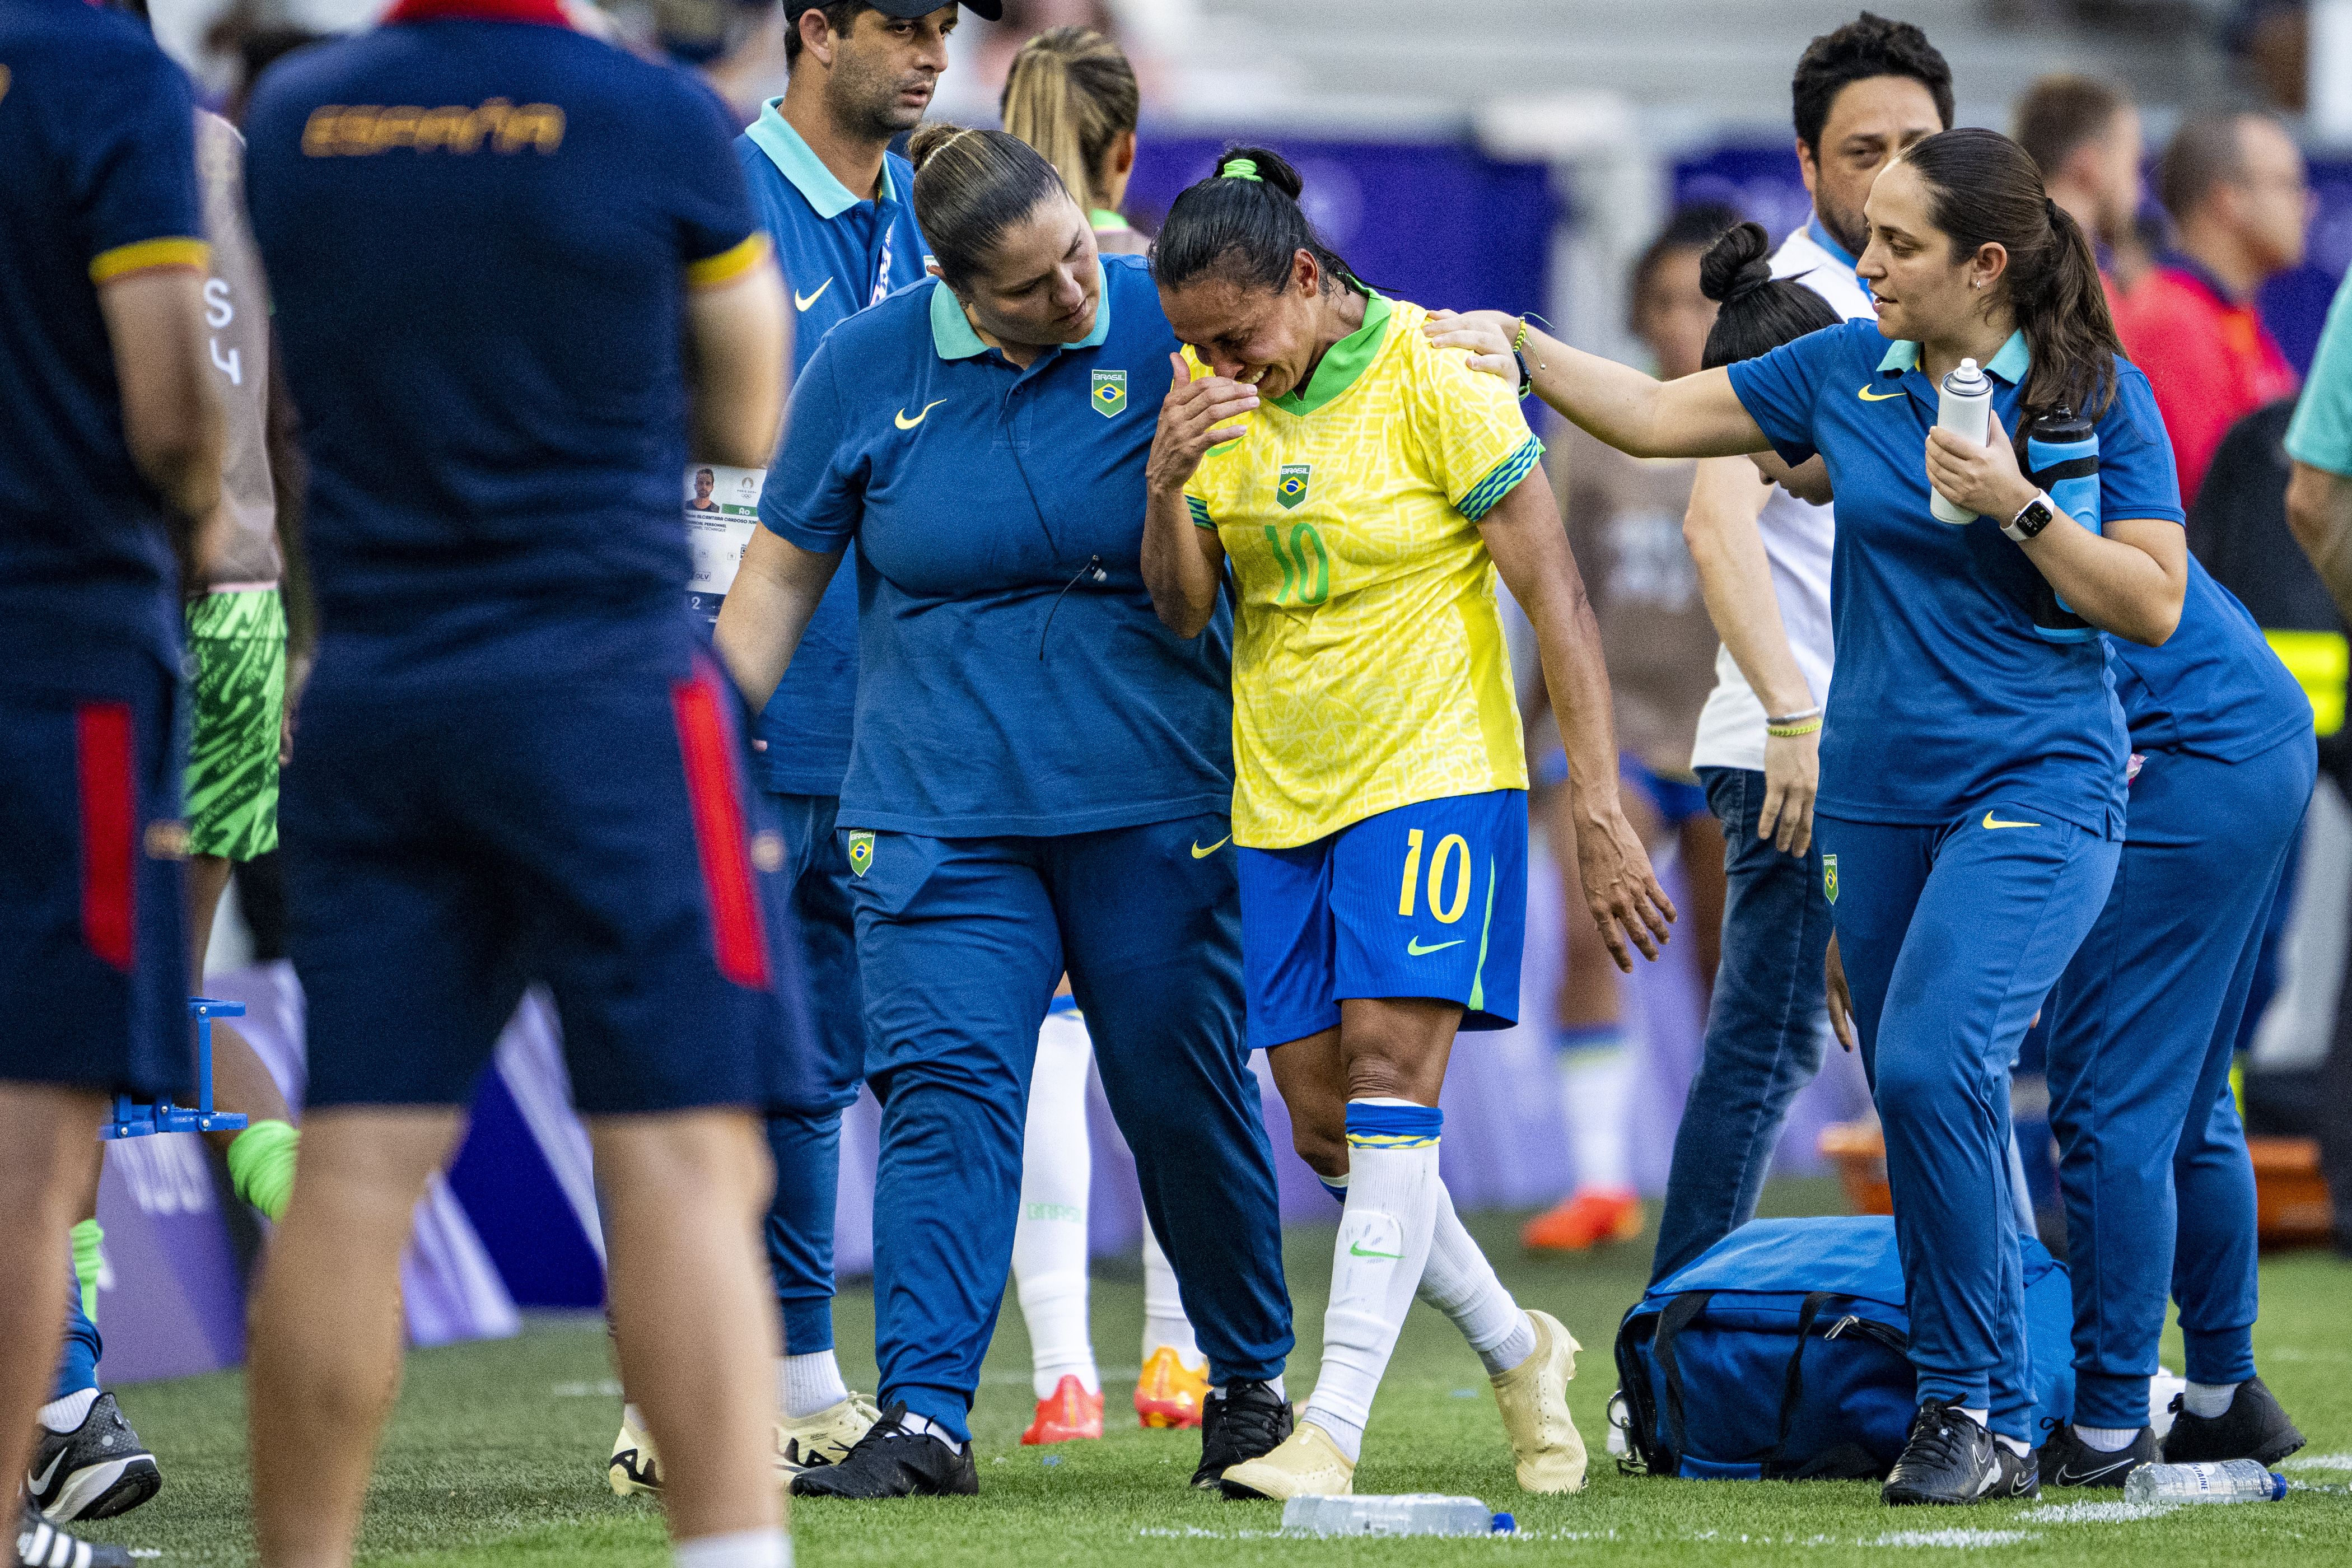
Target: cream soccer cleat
[823,1438]
[1304,1464]
[1533,1398]
[635,1470]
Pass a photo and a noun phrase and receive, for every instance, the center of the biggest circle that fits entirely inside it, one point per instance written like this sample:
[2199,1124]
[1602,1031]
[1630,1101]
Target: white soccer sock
[737,1549]
[1980,1416]
[67,1415]
[1049,1240]
[1459,1282]
[2106,1439]
[2208,1399]
[2014,1444]
[808,1383]
[1383,1248]
[923,1426]
[1596,1072]
[1165,1322]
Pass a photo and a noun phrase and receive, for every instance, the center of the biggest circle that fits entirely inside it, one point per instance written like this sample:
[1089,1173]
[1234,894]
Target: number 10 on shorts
[1452,855]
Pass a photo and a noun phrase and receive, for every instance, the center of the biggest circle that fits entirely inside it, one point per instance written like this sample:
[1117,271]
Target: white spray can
[1966,410]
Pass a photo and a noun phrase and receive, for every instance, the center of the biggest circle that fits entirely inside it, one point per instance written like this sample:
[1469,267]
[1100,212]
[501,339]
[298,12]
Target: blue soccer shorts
[1427,900]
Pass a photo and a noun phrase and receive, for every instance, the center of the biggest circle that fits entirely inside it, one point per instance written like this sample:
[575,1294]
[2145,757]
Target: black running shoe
[1247,1420]
[2253,1428]
[2021,1478]
[891,1461]
[95,1471]
[1949,1458]
[40,1544]
[2068,1461]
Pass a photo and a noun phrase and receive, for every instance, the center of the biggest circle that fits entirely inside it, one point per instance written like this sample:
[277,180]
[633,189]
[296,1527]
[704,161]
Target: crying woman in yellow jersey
[1366,487]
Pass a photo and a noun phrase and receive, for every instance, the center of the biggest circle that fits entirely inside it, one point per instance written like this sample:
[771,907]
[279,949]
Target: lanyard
[881,267]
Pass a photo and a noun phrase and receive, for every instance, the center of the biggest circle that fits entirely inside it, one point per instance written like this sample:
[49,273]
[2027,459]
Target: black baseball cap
[906,10]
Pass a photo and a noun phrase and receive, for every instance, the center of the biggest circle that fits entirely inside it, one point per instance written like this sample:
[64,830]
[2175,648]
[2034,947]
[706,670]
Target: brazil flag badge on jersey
[1111,391]
[861,852]
[1291,488]
[1829,876]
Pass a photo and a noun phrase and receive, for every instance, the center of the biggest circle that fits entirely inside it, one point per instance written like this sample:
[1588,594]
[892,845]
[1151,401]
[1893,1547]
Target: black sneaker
[891,1461]
[40,1544]
[2068,1461]
[1949,1458]
[2253,1428]
[95,1471]
[2021,1478]
[1247,1420]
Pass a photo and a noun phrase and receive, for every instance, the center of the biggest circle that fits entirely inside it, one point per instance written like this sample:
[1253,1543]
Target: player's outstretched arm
[767,608]
[1184,562]
[171,416]
[1530,550]
[1696,416]
[738,339]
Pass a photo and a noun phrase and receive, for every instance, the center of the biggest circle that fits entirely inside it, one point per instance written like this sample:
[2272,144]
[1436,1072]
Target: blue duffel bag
[1782,1353]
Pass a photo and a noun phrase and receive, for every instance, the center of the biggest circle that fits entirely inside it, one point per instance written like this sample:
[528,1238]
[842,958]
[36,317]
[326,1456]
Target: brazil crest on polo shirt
[1111,391]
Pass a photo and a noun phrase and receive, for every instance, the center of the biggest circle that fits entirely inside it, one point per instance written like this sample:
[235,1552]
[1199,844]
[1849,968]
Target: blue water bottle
[2061,457]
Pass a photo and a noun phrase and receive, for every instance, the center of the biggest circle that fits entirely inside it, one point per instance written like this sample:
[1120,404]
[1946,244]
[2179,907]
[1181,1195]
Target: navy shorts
[1430,900]
[442,853]
[93,949]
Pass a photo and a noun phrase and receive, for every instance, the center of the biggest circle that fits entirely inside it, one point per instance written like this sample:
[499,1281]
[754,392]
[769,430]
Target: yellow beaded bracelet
[1790,731]
[1521,340]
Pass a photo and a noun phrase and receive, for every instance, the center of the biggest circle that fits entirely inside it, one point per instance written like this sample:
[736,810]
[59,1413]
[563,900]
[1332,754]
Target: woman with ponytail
[1365,489]
[1971,801]
[1072,96]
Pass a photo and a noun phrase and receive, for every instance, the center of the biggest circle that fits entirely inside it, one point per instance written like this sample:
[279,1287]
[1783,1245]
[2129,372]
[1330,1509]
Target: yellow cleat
[1168,1393]
[1304,1464]
[1533,1398]
[635,1470]
[823,1438]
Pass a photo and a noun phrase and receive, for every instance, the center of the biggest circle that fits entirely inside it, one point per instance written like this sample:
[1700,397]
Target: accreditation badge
[861,852]
[1111,391]
[722,508]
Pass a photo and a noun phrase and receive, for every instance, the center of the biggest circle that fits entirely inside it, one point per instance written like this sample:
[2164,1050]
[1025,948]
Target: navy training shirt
[481,304]
[97,181]
[1002,688]
[2212,687]
[1945,698]
[840,254]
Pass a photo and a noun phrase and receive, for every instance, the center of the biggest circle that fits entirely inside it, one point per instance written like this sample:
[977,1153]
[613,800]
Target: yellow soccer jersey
[1369,665]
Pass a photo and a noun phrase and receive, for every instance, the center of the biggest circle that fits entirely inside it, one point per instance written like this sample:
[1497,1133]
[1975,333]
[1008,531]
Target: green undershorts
[238,645]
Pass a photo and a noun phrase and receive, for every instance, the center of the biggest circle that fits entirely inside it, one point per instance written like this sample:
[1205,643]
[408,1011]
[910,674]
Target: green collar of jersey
[775,135]
[1342,362]
[952,332]
[1102,220]
[2011,363]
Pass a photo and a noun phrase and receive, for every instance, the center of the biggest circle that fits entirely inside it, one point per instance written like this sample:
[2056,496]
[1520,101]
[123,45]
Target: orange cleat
[1168,1395]
[1581,1222]
[1066,1415]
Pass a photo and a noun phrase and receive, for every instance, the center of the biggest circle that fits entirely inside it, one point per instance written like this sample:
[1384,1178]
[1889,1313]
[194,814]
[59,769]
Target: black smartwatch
[1527,376]
[2037,515]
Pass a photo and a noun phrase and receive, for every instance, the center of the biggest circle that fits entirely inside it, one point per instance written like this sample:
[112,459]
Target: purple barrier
[170,1301]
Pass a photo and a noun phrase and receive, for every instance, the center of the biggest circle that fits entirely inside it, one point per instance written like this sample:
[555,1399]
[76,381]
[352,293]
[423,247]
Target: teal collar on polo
[2011,363]
[952,332]
[775,135]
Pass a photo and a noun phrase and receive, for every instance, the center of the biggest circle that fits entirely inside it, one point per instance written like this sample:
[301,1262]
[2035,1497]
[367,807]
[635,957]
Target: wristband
[1799,717]
[1790,731]
[1527,376]
[1521,340]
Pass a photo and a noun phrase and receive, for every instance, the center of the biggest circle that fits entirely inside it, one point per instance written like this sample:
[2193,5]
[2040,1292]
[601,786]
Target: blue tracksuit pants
[961,943]
[2142,1030]
[1951,936]
[805,1138]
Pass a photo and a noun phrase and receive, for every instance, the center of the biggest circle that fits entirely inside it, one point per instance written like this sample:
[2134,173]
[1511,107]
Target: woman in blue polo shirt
[1041,779]
[1972,770]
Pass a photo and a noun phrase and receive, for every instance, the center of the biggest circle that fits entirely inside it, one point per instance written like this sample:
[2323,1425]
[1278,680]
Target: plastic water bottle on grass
[1407,1513]
[2230,1480]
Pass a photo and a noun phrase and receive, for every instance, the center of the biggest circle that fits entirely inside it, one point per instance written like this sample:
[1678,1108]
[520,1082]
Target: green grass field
[497,1456]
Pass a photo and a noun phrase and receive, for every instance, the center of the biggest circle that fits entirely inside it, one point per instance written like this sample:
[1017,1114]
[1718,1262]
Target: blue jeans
[1765,1031]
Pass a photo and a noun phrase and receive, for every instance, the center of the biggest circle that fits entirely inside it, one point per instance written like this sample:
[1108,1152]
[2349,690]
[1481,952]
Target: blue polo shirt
[839,254]
[1945,698]
[1003,688]
[97,180]
[482,310]
[2213,687]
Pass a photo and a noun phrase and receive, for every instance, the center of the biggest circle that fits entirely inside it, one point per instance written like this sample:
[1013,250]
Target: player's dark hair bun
[1243,224]
[1738,263]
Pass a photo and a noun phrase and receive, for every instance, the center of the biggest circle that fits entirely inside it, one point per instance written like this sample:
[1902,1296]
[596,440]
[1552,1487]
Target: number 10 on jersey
[1294,587]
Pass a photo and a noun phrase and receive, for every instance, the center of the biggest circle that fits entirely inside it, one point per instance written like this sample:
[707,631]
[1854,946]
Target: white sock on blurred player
[1049,1241]
[1165,1322]
[1595,1066]
[738,1549]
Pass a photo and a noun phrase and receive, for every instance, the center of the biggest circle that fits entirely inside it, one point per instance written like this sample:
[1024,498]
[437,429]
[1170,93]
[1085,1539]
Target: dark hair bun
[927,139]
[1738,263]
[1272,168]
